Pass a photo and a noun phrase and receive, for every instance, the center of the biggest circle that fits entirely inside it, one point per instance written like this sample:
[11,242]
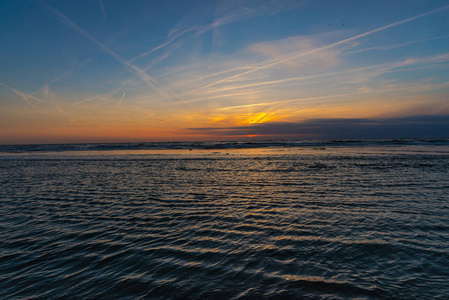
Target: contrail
[143,76]
[47,85]
[227,19]
[398,45]
[163,44]
[384,67]
[103,11]
[23,95]
[121,99]
[109,94]
[290,100]
[274,82]
[307,77]
[356,37]
[406,88]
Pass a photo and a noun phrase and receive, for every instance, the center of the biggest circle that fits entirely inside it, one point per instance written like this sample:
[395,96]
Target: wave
[243,227]
[316,144]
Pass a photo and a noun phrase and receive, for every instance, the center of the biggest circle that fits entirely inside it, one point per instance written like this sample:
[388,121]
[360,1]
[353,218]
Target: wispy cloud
[128,65]
[46,87]
[107,95]
[164,44]
[295,55]
[44,95]
[359,80]
[103,11]
[121,99]
[26,97]
[386,88]
[230,12]
[333,96]
[394,46]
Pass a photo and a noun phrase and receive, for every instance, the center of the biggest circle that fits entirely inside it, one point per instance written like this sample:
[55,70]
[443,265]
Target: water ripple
[215,227]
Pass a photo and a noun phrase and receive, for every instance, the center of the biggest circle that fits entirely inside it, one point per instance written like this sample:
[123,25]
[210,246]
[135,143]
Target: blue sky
[109,70]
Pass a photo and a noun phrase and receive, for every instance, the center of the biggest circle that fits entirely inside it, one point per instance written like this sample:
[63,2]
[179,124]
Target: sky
[176,70]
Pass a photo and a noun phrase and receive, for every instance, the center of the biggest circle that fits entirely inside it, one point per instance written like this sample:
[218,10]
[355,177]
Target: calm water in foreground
[305,223]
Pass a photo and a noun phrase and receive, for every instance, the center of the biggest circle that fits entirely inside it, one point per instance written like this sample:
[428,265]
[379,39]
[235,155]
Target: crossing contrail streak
[333,45]
[128,65]
[23,95]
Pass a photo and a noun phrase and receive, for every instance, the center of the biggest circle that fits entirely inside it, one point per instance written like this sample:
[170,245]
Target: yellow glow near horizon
[258,118]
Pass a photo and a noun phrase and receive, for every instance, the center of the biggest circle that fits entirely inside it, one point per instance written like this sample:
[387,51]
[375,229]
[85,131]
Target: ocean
[347,219]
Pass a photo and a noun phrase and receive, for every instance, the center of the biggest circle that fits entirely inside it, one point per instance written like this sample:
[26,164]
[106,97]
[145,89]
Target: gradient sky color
[117,71]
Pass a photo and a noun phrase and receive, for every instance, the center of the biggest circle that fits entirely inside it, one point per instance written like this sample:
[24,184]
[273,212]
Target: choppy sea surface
[266,220]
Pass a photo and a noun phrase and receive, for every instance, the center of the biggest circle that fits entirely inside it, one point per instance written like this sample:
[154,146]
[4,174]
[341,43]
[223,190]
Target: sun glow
[258,118]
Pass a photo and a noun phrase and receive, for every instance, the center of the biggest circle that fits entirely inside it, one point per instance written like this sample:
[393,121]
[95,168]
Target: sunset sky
[176,70]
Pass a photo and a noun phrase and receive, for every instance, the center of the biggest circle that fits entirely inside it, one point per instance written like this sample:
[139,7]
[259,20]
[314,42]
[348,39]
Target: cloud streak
[46,87]
[364,77]
[293,56]
[128,65]
[103,11]
[121,99]
[236,15]
[106,95]
[166,43]
[389,47]
[26,97]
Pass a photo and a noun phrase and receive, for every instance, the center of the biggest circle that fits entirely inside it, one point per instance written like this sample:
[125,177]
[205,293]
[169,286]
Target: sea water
[317,221]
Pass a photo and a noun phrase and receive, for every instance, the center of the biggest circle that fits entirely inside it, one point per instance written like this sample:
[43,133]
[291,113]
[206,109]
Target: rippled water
[225,226]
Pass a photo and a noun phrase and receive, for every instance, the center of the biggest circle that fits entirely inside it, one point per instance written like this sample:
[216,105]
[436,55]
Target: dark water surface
[215,226]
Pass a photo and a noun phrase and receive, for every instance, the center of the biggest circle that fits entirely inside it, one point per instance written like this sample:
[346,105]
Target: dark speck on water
[353,223]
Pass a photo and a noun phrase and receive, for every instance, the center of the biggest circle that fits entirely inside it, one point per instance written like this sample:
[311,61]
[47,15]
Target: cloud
[107,95]
[23,95]
[329,85]
[45,89]
[298,54]
[103,11]
[275,50]
[233,11]
[128,65]
[405,127]
[121,99]
[228,12]
[164,44]
[394,46]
